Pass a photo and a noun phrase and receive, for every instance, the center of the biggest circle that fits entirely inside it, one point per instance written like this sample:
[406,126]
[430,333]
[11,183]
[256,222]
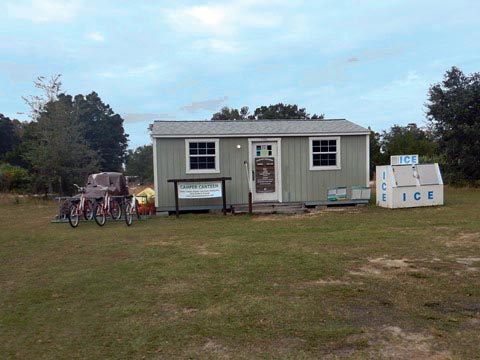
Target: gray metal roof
[243,128]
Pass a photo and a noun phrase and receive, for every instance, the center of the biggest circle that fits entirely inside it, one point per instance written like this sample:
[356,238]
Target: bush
[13,178]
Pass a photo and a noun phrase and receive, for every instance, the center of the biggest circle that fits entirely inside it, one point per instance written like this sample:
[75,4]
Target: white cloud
[401,90]
[211,104]
[125,72]
[222,20]
[43,11]
[220,27]
[96,36]
[208,16]
[218,45]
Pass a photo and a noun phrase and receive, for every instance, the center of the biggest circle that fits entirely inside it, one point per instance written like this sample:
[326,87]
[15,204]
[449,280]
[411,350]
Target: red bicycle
[106,206]
[80,207]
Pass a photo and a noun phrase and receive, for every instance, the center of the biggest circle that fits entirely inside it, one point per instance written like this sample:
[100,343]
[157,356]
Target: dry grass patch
[403,345]
[384,268]
[202,250]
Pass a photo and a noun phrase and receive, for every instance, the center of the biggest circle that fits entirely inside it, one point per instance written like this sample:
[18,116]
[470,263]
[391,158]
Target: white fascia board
[257,135]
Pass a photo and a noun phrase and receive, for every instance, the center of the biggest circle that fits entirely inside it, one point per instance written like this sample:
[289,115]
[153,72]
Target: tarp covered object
[146,196]
[114,181]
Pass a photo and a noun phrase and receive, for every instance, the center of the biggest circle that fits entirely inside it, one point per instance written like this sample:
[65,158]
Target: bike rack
[63,203]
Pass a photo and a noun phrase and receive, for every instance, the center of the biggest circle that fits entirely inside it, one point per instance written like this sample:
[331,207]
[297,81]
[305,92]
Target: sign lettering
[199,190]
[265,175]
[404,159]
[384,186]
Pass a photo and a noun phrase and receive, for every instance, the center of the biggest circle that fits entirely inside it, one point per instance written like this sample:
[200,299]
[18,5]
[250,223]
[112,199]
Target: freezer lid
[428,174]
[404,175]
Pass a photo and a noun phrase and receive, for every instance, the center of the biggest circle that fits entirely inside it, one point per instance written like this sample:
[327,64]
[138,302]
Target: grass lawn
[360,283]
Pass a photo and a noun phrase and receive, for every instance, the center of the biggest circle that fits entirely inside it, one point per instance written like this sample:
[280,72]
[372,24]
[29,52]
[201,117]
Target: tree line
[450,137]
[67,138]
[274,112]
[70,137]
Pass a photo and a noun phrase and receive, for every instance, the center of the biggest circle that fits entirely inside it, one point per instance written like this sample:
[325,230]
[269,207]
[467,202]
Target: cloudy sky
[368,61]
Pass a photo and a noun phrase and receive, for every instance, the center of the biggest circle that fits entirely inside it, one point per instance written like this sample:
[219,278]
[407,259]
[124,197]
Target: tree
[453,112]
[377,157]
[9,137]
[56,148]
[139,163]
[283,111]
[227,113]
[104,130]
[273,112]
[50,92]
[13,178]
[16,156]
[408,139]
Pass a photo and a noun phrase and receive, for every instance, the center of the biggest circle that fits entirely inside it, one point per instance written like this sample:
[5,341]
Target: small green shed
[279,161]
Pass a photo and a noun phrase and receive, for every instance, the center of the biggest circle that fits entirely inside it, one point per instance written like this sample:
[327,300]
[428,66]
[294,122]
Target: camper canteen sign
[200,190]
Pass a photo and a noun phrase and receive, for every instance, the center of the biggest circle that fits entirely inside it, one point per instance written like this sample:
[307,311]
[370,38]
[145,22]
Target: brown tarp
[115,183]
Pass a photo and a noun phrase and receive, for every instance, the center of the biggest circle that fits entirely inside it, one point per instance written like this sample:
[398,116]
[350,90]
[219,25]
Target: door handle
[253,175]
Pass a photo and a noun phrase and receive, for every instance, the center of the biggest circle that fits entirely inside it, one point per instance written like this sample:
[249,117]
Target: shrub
[13,178]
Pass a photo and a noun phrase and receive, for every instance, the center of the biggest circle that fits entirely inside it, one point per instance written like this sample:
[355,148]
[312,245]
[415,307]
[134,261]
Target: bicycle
[106,206]
[80,207]
[131,208]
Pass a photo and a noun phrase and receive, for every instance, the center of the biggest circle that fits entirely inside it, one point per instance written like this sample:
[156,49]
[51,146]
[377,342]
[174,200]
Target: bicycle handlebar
[79,188]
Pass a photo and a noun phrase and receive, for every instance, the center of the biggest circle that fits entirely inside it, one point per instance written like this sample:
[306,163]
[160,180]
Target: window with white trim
[325,153]
[201,156]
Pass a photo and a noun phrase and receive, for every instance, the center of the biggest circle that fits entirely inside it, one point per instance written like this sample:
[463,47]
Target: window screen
[324,152]
[202,155]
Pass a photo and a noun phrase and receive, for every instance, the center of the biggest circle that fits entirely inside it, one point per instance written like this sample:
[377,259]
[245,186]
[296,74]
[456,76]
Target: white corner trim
[202,171]
[155,172]
[339,154]
[367,183]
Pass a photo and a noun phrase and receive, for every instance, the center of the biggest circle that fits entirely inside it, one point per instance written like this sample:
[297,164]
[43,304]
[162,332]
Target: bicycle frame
[131,208]
[77,208]
[106,206]
[106,203]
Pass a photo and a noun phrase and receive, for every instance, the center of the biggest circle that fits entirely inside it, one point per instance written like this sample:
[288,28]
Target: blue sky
[368,61]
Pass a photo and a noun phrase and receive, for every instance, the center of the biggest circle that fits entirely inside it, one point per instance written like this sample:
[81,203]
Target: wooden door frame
[277,166]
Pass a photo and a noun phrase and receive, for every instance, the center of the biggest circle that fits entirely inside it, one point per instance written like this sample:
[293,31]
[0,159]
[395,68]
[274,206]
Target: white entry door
[265,170]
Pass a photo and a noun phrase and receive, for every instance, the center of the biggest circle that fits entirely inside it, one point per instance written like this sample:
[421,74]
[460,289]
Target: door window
[263,150]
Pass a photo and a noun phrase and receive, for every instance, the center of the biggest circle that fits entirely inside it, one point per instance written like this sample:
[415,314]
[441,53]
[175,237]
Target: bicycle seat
[99,198]
[128,197]
[75,201]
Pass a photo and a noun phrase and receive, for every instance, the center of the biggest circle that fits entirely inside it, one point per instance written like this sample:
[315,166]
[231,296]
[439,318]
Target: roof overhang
[182,136]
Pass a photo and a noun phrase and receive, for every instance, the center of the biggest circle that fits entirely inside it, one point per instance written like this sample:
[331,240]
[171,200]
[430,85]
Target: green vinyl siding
[299,183]
[171,164]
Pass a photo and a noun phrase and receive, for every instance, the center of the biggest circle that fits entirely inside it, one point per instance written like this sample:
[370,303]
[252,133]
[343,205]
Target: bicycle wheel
[99,214]
[88,210]
[128,214]
[115,210]
[136,210]
[73,216]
